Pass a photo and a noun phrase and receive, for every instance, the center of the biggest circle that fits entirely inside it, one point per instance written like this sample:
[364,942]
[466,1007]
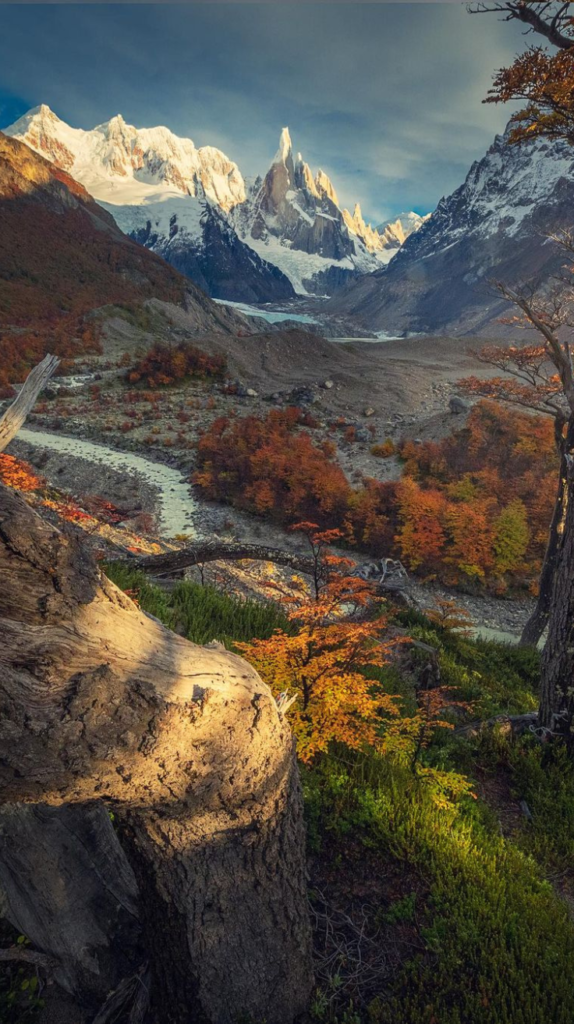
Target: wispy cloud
[386,97]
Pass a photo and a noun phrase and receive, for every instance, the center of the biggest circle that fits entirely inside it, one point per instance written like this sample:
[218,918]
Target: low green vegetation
[496,942]
[478,907]
[20,985]
[542,777]
[200,613]
[495,678]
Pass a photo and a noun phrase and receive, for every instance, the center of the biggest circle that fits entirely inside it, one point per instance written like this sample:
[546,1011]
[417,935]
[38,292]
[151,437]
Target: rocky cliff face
[293,218]
[494,227]
[198,240]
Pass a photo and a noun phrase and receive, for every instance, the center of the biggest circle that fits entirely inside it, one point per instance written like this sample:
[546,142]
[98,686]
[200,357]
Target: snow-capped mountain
[394,233]
[495,226]
[120,164]
[386,239]
[198,240]
[84,261]
[166,194]
[293,219]
[280,235]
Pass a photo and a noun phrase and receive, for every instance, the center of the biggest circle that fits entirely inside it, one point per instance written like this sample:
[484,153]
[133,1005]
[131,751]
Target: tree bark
[99,702]
[557,677]
[67,884]
[538,620]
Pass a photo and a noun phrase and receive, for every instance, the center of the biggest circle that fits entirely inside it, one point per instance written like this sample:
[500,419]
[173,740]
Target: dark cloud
[386,97]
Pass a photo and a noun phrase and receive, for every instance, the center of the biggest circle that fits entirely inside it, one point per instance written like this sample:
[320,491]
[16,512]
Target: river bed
[176,506]
[178,513]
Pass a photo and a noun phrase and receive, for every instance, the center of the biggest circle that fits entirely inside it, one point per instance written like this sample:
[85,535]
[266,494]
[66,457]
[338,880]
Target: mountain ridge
[494,226]
[62,254]
[225,240]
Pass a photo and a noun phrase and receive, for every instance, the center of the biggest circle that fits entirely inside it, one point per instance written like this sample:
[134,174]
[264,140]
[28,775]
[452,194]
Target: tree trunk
[99,702]
[68,886]
[557,679]
[538,620]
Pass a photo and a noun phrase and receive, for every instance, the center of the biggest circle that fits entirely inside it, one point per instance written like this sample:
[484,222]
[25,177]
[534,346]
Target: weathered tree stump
[101,705]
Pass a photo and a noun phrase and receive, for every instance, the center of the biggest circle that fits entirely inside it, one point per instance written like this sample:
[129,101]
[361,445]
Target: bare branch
[29,956]
[544,323]
[549,20]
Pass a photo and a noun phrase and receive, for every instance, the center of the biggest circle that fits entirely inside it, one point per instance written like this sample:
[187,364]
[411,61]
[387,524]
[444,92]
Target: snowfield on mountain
[266,241]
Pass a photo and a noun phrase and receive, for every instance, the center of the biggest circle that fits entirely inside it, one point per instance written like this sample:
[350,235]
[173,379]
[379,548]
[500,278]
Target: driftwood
[387,573]
[104,709]
[16,414]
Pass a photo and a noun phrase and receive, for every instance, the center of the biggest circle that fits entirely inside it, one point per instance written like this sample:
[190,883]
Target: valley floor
[83,439]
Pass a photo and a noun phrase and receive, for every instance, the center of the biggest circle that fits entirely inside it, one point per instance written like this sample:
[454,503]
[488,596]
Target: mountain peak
[285,148]
[124,165]
[39,116]
[42,110]
[325,186]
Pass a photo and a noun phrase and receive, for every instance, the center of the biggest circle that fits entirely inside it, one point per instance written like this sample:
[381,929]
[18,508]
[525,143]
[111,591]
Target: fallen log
[509,725]
[386,574]
[216,551]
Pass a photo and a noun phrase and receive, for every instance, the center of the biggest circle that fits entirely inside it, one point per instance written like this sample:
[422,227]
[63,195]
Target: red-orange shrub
[166,364]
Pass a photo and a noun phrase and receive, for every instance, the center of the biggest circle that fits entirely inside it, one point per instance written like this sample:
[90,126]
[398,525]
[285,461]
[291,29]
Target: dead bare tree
[104,709]
[549,19]
[551,314]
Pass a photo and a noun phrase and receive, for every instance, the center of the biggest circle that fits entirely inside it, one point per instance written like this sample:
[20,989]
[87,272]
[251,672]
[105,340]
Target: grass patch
[497,678]
[498,944]
[201,613]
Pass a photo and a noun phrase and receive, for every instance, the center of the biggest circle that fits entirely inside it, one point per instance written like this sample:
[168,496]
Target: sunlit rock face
[298,209]
[292,218]
[494,227]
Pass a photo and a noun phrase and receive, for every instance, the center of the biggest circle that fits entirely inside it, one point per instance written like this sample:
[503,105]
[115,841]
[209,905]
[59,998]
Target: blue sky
[385,97]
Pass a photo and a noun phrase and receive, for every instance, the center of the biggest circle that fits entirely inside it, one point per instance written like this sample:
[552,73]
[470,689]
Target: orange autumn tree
[542,80]
[167,364]
[475,506]
[322,665]
[527,378]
